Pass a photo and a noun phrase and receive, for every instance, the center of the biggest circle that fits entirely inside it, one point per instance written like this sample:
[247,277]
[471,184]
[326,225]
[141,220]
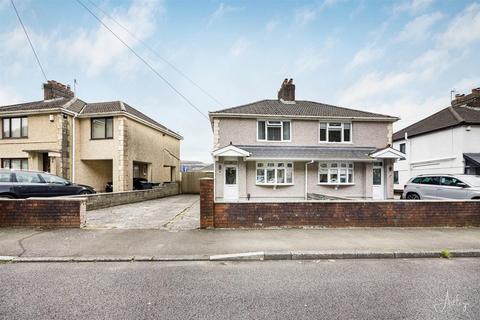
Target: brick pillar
[207,204]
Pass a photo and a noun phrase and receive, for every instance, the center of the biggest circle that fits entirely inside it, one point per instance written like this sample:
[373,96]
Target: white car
[442,186]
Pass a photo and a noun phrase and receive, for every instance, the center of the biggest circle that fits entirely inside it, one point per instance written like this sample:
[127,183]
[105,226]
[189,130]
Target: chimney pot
[53,89]
[287,91]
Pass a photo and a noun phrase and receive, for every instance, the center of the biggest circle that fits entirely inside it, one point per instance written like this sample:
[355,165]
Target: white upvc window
[335,173]
[274,173]
[274,130]
[336,132]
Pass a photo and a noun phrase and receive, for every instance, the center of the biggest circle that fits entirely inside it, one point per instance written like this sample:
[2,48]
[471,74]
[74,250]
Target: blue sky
[394,57]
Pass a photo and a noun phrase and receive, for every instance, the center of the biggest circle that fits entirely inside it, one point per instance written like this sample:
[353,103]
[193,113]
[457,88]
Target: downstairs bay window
[274,173]
[335,173]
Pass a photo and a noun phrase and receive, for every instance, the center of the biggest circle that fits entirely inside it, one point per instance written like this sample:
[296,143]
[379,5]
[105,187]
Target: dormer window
[335,132]
[273,130]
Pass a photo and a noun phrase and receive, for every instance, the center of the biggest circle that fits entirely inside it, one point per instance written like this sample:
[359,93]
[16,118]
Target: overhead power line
[155,52]
[144,61]
[29,41]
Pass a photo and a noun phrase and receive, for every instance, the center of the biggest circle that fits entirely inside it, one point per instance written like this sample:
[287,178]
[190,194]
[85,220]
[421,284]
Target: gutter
[306,178]
[249,115]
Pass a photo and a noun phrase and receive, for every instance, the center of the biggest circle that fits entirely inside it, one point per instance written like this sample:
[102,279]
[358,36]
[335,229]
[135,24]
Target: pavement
[173,213]
[283,244]
[325,289]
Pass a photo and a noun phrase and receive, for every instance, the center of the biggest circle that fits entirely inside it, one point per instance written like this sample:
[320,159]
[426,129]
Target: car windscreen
[49,178]
[473,181]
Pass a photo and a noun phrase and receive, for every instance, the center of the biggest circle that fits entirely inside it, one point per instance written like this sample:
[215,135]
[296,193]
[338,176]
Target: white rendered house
[447,142]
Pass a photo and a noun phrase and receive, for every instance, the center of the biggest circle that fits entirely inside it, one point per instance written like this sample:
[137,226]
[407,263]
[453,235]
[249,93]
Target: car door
[29,184]
[57,186]
[429,187]
[449,189]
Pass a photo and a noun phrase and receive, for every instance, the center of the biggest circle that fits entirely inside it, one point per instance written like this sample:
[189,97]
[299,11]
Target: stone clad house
[89,143]
[287,149]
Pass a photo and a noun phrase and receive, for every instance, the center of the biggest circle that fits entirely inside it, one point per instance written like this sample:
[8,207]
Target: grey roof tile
[445,118]
[299,108]
[308,152]
[35,105]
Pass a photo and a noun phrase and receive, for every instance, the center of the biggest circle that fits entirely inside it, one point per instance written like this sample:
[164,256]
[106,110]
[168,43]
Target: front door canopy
[388,153]
[230,151]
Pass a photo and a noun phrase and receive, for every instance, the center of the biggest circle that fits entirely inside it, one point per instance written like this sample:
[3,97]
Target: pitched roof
[84,109]
[445,118]
[308,152]
[301,108]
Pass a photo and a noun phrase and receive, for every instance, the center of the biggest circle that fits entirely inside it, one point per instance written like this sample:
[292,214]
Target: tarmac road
[336,289]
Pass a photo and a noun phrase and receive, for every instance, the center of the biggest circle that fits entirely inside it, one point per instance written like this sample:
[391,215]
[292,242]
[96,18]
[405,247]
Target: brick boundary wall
[43,213]
[332,214]
[110,199]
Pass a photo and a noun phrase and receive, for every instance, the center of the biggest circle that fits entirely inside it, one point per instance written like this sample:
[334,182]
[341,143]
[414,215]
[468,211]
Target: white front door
[230,186]
[378,184]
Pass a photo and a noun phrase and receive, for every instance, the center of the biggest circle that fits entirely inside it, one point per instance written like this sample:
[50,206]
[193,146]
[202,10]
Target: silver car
[442,187]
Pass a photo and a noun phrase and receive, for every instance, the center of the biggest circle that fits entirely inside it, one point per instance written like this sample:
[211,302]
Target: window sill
[273,184]
[277,141]
[14,138]
[96,139]
[327,142]
[335,184]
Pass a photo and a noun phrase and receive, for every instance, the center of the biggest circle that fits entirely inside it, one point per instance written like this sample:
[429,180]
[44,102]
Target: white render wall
[439,152]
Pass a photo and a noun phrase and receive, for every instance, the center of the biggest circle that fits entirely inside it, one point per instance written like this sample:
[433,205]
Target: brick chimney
[53,89]
[472,99]
[286,93]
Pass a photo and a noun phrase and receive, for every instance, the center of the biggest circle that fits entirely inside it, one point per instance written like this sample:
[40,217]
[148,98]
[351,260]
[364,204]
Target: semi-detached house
[286,149]
[89,143]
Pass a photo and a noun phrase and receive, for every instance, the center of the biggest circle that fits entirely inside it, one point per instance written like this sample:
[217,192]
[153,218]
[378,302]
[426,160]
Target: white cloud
[465,85]
[464,28]
[366,55]
[97,49]
[239,47]
[8,96]
[372,84]
[220,12]
[413,6]
[305,15]
[309,62]
[419,28]
[272,25]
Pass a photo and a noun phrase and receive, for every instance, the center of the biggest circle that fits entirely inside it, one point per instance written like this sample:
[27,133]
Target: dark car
[141,184]
[24,184]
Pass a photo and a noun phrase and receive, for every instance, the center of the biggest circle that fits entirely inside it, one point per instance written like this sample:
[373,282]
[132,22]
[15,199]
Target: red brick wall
[393,213]
[45,213]
[206,203]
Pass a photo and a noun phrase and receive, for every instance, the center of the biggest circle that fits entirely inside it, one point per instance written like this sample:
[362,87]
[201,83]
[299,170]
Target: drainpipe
[74,145]
[306,178]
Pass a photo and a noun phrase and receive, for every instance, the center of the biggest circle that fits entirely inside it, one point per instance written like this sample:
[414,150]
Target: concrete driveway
[173,213]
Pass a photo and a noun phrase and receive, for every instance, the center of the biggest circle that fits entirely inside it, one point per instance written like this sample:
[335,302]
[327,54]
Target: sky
[399,58]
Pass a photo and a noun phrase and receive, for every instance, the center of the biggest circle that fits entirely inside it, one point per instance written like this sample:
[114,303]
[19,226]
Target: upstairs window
[403,148]
[273,130]
[15,127]
[102,128]
[335,132]
[274,173]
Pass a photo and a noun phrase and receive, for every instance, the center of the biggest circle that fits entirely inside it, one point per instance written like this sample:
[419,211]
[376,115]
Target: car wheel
[413,196]
[85,192]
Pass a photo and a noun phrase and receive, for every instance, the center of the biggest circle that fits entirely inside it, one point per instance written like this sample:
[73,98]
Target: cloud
[465,85]
[304,15]
[372,84]
[239,47]
[419,28]
[464,28]
[220,12]
[413,6]
[309,62]
[97,49]
[272,25]
[8,96]
[366,55]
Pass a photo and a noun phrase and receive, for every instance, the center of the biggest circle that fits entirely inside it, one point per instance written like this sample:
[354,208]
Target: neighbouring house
[188,165]
[89,143]
[447,142]
[295,149]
